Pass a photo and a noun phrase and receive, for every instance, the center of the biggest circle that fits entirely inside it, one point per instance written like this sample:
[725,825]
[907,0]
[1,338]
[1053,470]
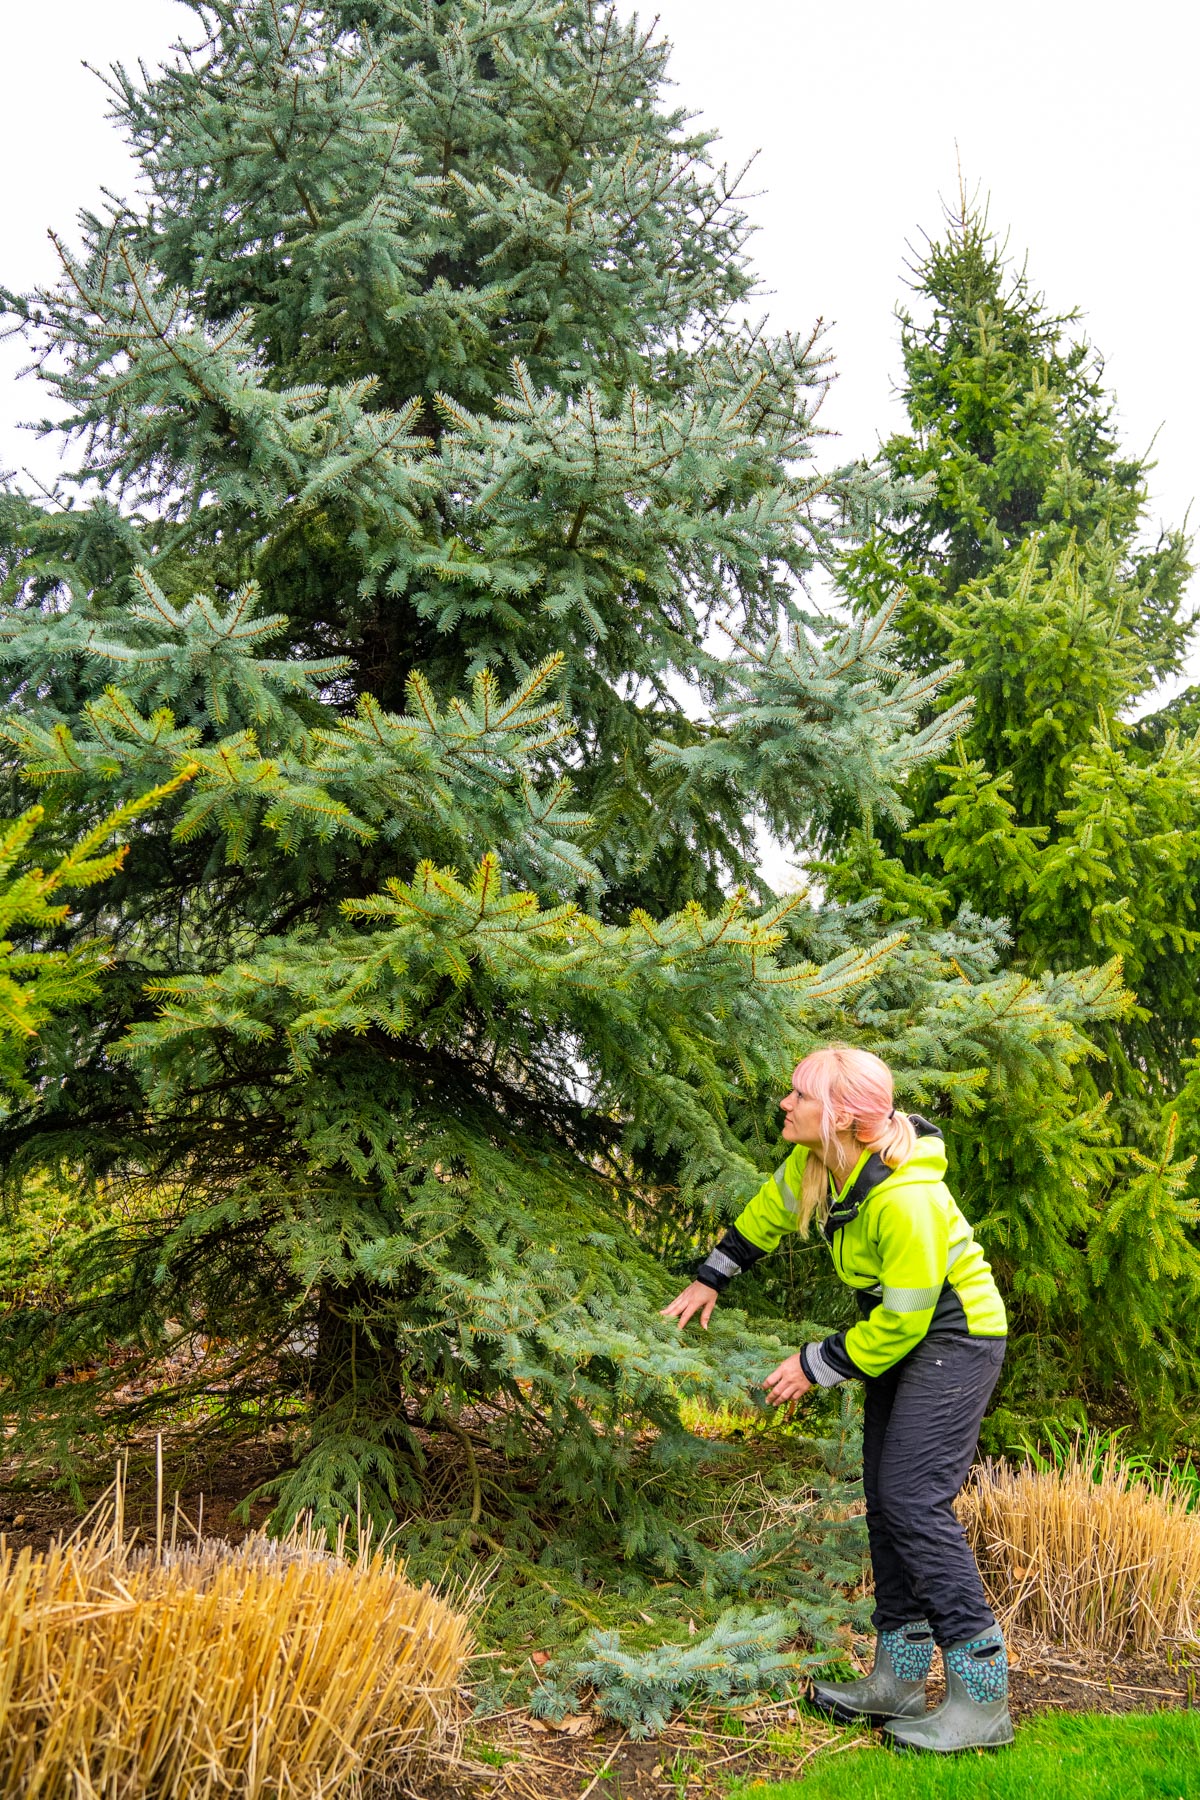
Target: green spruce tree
[1025,561]
[428,447]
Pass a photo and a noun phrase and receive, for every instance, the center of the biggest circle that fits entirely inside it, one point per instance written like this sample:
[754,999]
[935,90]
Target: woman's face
[801,1118]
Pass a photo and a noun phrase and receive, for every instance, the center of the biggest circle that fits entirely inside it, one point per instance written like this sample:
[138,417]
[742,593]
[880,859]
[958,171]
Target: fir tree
[38,979]
[429,445]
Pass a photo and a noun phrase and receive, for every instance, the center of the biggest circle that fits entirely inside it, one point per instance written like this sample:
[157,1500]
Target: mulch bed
[690,1758]
[514,1757]
[1092,1681]
[211,1483]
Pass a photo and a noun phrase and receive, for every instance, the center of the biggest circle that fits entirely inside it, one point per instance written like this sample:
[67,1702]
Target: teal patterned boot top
[895,1688]
[911,1650]
[974,1714]
[982,1666]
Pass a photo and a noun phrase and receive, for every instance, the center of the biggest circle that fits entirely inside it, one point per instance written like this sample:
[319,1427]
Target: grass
[1088,1552]
[1060,1446]
[1078,1756]
[721,1422]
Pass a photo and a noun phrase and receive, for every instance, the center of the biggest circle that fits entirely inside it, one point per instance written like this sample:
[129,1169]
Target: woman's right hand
[697,1297]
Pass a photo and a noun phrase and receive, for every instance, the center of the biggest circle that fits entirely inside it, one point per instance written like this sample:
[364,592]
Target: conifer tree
[1025,561]
[428,447]
[39,980]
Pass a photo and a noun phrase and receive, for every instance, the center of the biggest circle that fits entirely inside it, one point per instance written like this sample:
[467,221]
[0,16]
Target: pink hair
[848,1081]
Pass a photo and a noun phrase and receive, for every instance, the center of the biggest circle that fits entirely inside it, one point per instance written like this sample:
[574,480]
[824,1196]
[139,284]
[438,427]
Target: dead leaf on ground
[575,1724]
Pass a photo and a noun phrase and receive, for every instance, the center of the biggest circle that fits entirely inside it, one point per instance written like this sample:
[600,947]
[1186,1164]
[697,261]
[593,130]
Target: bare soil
[211,1482]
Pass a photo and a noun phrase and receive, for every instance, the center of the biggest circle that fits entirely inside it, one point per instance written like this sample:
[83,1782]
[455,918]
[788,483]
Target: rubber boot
[895,1688]
[974,1714]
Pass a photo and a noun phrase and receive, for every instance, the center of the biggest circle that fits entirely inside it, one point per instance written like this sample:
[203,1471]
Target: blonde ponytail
[814,1193]
[895,1143]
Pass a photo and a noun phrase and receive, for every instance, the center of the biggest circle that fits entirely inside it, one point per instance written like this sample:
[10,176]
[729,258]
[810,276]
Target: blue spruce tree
[437,505]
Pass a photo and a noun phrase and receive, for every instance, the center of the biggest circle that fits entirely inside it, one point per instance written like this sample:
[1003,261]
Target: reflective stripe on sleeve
[781,1182]
[911,1300]
[724,1265]
[823,1373]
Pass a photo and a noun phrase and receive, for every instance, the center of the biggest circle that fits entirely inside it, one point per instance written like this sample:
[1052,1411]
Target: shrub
[1092,1552]
[740,1657]
[272,1669]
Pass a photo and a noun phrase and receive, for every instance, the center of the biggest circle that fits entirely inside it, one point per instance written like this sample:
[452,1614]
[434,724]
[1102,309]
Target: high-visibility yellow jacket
[897,1238]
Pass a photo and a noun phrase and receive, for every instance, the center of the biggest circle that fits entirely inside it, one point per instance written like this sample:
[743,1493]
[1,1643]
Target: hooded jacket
[897,1238]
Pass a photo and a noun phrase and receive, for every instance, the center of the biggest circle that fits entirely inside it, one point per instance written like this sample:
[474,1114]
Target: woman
[928,1346]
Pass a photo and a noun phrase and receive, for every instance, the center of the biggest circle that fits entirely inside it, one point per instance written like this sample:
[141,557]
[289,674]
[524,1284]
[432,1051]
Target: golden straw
[256,1671]
[1087,1554]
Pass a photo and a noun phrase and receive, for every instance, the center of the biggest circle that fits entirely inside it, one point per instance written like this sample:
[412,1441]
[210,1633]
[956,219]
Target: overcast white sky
[1080,120]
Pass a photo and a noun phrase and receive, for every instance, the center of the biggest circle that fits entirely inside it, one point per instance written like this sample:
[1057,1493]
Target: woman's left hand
[787,1382]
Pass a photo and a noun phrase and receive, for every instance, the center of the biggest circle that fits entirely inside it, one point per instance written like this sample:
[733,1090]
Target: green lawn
[1081,1756]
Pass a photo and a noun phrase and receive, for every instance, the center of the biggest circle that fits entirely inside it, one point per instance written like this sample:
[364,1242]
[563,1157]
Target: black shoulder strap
[873,1171]
[845,1210]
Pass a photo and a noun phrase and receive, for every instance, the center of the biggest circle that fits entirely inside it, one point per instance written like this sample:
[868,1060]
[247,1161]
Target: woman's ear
[843,1122]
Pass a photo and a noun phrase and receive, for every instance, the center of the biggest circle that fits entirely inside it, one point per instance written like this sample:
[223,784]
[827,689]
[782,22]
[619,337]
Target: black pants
[920,1427]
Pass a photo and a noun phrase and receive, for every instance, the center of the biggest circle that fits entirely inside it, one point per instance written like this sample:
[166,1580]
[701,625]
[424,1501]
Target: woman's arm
[762,1222]
[912,1235]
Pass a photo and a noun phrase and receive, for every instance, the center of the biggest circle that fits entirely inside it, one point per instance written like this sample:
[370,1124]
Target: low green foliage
[740,1656]
[41,1244]
[765,1550]
[1057,1446]
[1153,1756]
